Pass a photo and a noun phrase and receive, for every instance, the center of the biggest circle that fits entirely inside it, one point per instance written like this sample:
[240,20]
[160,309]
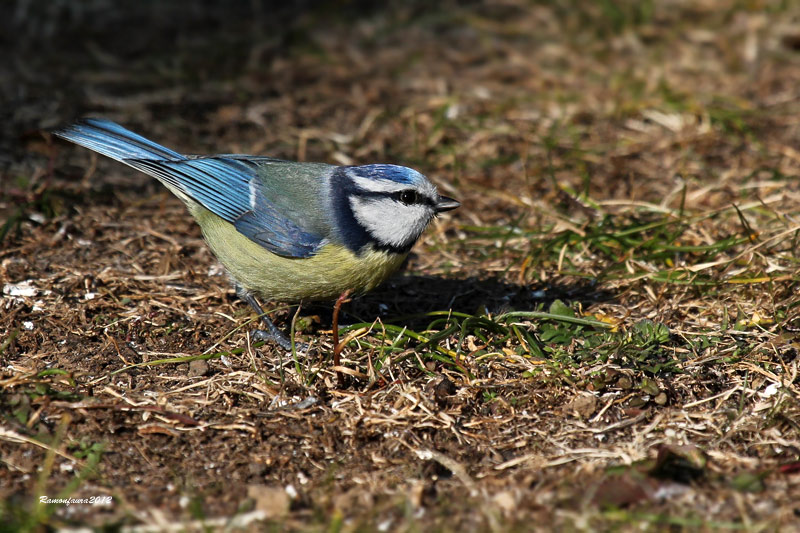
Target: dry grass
[603,337]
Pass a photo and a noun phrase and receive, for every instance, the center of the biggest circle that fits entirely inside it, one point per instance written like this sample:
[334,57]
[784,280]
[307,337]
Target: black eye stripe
[412,197]
[419,199]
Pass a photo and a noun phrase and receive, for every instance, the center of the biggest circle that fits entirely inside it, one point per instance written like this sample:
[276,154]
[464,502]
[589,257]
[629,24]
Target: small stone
[197,368]
[505,501]
[637,401]
[661,398]
[583,404]
[272,501]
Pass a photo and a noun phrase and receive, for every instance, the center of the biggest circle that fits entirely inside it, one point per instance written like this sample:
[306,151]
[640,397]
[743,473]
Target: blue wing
[228,186]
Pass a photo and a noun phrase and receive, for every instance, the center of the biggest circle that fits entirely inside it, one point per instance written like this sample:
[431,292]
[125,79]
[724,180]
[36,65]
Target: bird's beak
[446,204]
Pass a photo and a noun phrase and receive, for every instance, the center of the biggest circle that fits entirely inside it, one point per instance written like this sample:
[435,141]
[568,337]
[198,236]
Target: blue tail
[114,141]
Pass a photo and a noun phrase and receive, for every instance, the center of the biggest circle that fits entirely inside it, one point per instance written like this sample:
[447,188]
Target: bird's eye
[408,197]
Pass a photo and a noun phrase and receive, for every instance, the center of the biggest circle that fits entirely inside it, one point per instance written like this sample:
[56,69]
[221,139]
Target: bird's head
[387,206]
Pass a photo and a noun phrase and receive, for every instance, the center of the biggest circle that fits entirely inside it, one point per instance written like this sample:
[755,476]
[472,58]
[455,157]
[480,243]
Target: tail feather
[114,141]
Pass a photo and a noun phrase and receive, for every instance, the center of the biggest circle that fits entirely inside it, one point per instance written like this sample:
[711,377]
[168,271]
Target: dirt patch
[603,336]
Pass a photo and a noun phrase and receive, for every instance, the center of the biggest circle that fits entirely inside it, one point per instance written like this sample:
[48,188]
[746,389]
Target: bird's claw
[280,339]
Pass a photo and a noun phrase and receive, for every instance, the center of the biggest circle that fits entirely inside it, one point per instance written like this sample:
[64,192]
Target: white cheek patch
[390,222]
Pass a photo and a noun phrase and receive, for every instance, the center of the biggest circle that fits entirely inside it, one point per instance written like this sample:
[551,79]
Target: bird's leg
[337,348]
[272,332]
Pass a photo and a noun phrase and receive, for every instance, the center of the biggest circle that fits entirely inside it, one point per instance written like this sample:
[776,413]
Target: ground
[603,337]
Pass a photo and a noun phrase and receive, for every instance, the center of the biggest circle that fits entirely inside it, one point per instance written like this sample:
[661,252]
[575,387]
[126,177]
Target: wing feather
[229,186]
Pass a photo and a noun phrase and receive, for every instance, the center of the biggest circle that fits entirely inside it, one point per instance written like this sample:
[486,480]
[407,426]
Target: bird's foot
[271,333]
[278,337]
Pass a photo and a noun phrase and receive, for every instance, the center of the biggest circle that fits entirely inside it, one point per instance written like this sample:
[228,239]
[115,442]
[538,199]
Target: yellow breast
[323,276]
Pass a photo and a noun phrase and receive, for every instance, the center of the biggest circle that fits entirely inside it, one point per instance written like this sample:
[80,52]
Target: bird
[285,231]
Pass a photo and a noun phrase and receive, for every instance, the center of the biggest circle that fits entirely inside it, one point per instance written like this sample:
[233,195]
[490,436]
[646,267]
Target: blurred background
[520,97]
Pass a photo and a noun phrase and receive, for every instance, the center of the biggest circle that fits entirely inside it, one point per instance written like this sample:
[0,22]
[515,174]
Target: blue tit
[285,231]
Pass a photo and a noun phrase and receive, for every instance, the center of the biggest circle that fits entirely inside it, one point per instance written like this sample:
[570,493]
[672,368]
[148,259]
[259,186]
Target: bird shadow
[414,295]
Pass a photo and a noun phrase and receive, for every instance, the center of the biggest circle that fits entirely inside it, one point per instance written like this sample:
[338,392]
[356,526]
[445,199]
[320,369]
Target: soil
[111,294]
